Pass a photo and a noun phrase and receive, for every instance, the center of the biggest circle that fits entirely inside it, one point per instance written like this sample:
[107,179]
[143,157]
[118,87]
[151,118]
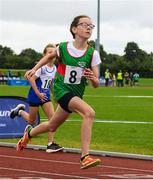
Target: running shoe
[15,111]
[53,148]
[22,143]
[89,161]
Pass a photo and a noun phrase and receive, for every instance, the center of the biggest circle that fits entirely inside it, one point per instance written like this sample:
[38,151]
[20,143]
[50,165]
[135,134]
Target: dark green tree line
[25,60]
[134,59]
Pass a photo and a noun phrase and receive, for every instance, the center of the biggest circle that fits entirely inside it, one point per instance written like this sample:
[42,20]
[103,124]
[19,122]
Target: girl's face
[84,28]
[49,49]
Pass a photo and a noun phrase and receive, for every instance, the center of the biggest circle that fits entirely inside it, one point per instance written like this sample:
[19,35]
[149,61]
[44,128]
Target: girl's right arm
[32,81]
[48,57]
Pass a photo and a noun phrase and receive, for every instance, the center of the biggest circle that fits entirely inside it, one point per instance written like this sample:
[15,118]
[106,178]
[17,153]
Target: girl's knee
[89,114]
[31,122]
[51,127]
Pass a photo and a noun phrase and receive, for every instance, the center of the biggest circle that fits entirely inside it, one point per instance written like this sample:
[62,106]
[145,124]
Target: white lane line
[122,122]
[36,159]
[42,172]
[107,121]
[129,169]
[75,163]
[129,176]
[132,96]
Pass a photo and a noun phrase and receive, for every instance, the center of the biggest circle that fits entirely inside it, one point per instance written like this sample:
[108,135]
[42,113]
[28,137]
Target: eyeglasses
[86,25]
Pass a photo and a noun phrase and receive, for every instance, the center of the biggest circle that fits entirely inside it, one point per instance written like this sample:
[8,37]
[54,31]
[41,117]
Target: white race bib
[46,84]
[73,75]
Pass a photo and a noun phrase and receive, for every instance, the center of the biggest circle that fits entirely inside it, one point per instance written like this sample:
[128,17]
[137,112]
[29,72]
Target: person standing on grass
[131,78]
[127,78]
[39,95]
[136,79]
[114,80]
[120,79]
[107,77]
[77,62]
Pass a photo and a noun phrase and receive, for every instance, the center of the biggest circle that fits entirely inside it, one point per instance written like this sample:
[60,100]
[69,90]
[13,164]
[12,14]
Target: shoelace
[54,143]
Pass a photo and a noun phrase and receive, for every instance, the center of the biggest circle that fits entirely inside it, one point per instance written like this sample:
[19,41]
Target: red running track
[36,164]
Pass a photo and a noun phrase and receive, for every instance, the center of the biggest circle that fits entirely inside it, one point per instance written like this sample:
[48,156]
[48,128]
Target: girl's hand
[42,97]
[92,75]
[29,74]
[88,74]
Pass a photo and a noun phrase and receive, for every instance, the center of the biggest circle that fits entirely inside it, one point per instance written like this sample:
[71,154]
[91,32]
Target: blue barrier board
[20,82]
[11,128]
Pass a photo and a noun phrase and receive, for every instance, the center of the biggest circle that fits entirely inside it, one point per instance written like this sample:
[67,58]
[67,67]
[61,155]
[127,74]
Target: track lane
[39,164]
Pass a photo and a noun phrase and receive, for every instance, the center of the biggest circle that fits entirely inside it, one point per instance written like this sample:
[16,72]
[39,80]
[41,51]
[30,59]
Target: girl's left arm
[92,75]
[95,81]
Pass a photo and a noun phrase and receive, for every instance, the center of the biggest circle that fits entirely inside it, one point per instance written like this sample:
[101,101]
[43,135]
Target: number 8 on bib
[73,75]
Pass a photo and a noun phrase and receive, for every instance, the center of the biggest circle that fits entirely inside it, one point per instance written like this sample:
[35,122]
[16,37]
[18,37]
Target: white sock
[19,112]
[50,143]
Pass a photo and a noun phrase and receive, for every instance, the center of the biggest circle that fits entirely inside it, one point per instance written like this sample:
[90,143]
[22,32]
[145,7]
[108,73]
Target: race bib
[73,75]
[46,84]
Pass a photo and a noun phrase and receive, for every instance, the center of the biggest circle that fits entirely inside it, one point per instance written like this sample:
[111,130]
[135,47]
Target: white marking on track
[75,163]
[42,172]
[129,169]
[36,159]
[130,176]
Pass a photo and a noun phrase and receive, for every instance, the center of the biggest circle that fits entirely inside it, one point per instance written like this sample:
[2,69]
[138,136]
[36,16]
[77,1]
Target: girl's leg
[57,119]
[49,111]
[31,116]
[52,146]
[78,105]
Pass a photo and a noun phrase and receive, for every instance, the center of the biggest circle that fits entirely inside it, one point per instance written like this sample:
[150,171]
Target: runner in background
[39,95]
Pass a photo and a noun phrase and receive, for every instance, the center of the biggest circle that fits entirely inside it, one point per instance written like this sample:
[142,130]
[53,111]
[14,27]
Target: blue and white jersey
[45,76]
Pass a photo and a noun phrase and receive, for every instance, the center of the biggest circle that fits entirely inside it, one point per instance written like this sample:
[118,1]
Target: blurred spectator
[1,77]
[131,78]
[120,79]
[136,79]
[113,80]
[107,77]
[19,74]
[9,73]
[1,73]
[127,78]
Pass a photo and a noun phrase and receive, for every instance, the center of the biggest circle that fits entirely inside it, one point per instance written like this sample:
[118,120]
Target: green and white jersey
[136,77]
[69,76]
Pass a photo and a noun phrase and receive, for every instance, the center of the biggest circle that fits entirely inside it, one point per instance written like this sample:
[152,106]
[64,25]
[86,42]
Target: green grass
[113,103]
[109,105]
[146,82]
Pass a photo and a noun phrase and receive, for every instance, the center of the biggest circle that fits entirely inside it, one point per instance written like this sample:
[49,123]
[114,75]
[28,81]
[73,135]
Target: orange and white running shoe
[89,161]
[22,143]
